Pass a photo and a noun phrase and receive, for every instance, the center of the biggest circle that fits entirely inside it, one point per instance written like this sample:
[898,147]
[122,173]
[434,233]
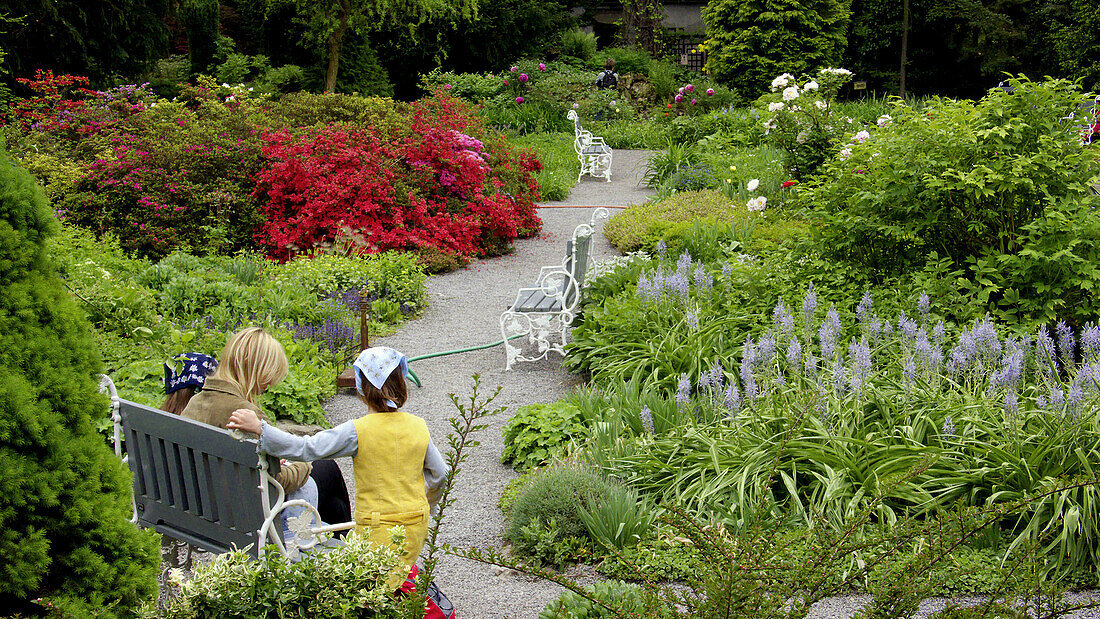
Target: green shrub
[473,87]
[539,433]
[578,44]
[749,42]
[659,167]
[65,533]
[1000,187]
[557,493]
[619,521]
[512,490]
[626,60]
[643,225]
[346,581]
[622,598]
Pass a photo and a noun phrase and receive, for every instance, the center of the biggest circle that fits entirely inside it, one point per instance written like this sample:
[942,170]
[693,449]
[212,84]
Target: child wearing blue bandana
[398,471]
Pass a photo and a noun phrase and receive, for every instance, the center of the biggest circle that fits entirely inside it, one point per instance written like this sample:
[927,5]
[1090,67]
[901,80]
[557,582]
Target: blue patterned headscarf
[376,364]
[188,370]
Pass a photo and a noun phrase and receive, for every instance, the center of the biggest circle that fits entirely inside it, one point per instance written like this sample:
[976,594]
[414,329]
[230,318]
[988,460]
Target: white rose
[790,93]
[753,184]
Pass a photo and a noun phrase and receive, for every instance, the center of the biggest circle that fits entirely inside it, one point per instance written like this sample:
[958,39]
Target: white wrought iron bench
[594,154]
[205,486]
[543,312]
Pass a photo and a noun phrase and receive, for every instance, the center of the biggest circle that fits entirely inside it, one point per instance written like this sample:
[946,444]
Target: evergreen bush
[65,534]
[556,495]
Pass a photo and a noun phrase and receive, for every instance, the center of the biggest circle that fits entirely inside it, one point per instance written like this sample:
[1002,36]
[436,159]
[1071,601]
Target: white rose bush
[799,118]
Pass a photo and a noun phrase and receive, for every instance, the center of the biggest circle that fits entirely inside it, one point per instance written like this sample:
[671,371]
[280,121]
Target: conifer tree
[65,534]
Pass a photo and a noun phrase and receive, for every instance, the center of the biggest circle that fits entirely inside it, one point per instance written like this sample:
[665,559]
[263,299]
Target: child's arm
[435,474]
[332,443]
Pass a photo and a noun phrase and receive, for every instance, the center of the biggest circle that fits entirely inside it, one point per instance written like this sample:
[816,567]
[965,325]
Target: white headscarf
[376,364]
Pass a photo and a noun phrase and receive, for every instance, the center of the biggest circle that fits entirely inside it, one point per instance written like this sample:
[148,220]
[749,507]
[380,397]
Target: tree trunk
[904,46]
[335,41]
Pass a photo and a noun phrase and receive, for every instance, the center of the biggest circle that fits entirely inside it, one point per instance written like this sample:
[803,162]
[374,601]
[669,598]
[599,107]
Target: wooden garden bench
[206,486]
[593,152]
[544,311]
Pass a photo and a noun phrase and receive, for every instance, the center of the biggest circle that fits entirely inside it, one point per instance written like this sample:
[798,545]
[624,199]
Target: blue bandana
[188,370]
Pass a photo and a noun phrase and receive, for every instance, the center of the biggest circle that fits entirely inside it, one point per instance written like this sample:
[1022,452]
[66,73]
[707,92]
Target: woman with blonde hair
[252,361]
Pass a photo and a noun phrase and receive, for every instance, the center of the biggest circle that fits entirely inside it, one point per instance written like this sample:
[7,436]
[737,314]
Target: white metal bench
[206,486]
[543,312]
[593,152]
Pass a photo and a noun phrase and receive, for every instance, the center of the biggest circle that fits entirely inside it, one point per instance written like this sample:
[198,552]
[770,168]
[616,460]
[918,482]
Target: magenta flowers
[519,99]
[679,98]
[523,77]
[542,66]
[710,92]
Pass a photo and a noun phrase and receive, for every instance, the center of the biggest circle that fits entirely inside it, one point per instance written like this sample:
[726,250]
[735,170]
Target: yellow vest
[389,482]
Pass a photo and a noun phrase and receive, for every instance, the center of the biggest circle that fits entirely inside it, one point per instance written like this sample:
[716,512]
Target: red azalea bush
[436,187]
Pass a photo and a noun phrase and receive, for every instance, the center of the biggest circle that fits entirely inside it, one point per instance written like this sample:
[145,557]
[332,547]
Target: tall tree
[330,20]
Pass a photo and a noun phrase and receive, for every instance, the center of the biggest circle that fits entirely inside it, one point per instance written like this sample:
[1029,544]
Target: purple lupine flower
[733,397]
[649,288]
[748,359]
[704,381]
[794,353]
[948,429]
[924,305]
[887,329]
[875,329]
[703,278]
[1090,341]
[986,340]
[647,419]
[1066,343]
[683,389]
[1044,352]
[923,348]
[907,327]
[662,249]
[1074,397]
[832,318]
[684,262]
[717,376]
[909,372]
[766,350]
[809,306]
[784,322]
[863,310]
[1012,403]
[692,319]
[838,376]
[727,271]
[679,284]
[810,365]
[938,332]
[1012,369]
[1057,397]
[859,353]
[827,338]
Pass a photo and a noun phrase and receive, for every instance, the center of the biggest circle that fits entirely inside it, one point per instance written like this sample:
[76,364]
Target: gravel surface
[464,310]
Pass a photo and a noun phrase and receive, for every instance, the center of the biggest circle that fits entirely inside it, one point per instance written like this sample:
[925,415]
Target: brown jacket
[213,406]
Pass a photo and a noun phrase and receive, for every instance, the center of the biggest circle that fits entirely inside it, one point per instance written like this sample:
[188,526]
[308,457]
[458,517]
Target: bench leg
[512,324]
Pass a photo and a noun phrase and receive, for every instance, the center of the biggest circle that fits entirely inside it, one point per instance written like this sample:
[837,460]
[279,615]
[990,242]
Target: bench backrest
[194,482]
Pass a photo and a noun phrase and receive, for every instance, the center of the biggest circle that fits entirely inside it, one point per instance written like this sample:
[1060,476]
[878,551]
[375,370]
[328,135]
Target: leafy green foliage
[539,433]
[555,494]
[560,166]
[544,542]
[618,521]
[348,580]
[65,533]
[578,44]
[751,41]
[998,186]
[642,226]
[622,597]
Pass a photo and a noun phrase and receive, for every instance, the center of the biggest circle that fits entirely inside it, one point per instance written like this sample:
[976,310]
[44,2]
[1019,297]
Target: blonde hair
[253,360]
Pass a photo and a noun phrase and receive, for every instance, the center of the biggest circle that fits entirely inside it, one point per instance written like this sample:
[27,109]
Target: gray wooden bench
[544,311]
[594,154]
[206,486]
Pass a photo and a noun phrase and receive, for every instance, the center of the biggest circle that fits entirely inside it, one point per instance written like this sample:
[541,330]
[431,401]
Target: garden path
[464,310]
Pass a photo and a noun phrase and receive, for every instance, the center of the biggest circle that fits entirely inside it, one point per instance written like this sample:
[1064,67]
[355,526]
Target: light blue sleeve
[435,473]
[332,443]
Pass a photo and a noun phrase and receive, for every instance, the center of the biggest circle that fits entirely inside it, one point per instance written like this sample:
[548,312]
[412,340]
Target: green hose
[416,379]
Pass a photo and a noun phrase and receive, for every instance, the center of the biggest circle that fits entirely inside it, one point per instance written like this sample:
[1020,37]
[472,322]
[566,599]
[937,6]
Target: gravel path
[464,308]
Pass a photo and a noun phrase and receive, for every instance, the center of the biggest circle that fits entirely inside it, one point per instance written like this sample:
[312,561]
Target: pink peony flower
[693,101]
[523,77]
[679,98]
[505,82]
[542,66]
[710,92]
[519,99]
[447,87]
[514,69]
[689,88]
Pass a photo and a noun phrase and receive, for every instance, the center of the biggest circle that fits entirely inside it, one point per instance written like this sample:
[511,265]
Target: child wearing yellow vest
[399,473]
